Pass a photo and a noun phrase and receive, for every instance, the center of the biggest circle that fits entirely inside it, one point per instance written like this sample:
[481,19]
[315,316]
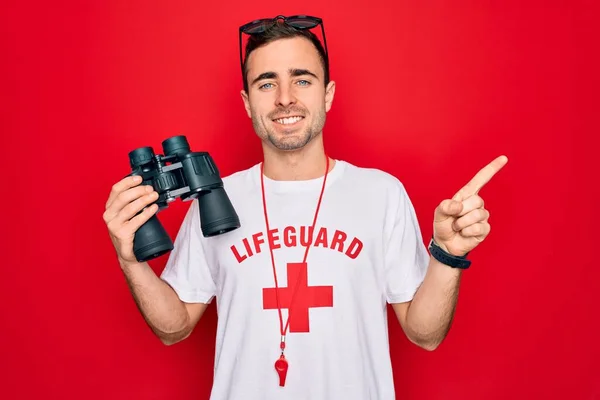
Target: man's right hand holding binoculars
[126,211]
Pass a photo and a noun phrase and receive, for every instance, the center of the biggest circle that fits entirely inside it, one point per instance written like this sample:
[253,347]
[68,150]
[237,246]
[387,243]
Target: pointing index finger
[481,178]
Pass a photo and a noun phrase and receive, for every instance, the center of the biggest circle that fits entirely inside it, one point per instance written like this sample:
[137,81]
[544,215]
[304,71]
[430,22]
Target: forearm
[431,311]
[158,303]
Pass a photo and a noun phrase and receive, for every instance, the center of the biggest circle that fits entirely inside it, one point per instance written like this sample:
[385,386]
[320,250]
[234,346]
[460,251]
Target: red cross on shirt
[306,297]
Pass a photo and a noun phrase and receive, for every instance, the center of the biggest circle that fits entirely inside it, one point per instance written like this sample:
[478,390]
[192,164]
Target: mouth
[288,120]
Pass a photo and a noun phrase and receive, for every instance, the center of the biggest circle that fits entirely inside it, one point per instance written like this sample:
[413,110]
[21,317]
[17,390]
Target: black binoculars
[180,173]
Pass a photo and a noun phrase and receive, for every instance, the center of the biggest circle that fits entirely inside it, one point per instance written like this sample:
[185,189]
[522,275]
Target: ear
[246,102]
[329,93]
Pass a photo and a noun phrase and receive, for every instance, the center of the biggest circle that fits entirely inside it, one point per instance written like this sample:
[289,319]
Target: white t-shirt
[367,251]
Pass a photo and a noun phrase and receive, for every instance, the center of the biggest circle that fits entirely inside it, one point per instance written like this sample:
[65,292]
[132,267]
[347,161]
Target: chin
[291,142]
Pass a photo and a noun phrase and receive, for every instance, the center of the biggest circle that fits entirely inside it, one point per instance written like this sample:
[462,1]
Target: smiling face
[287,98]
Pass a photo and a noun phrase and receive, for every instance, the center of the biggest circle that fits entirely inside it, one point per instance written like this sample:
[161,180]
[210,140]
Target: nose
[285,96]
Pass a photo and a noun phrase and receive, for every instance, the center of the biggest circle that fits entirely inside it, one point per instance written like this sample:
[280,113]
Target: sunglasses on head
[300,22]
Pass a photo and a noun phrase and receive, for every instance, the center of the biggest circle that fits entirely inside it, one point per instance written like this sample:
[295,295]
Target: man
[324,245]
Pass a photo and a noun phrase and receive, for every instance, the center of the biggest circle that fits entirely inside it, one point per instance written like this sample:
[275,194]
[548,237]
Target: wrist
[128,264]
[441,254]
[441,245]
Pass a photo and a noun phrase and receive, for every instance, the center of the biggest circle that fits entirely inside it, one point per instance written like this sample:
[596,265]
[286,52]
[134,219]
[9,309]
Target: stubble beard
[289,140]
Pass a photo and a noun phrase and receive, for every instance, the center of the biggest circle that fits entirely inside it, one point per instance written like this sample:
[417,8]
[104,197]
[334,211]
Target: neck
[303,164]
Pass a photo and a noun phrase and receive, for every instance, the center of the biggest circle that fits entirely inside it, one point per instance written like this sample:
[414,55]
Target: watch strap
[448,259]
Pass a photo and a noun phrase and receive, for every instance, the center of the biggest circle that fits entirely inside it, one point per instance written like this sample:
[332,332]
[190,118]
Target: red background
[429,92]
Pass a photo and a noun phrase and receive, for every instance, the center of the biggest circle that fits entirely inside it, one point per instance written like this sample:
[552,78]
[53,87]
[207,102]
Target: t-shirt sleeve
[187,270]
[406,256]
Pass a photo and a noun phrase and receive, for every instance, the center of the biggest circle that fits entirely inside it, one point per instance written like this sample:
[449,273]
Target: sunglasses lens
[302,23]
[257,27]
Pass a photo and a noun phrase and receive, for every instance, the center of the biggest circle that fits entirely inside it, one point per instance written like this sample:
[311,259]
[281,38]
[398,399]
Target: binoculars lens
[217,215]
[151,240]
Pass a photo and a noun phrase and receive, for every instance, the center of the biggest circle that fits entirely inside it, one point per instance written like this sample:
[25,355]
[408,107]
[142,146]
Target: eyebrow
[292,72]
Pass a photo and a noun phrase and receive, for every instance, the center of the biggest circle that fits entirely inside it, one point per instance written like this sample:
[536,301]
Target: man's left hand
[461,223]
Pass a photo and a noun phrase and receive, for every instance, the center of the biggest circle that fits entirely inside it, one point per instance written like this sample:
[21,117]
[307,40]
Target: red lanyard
[281,365]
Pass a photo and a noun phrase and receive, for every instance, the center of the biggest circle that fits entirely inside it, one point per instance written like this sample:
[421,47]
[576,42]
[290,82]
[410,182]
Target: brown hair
[283,31]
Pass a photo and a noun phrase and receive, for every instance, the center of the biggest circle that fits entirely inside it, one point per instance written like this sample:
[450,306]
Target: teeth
[286,121]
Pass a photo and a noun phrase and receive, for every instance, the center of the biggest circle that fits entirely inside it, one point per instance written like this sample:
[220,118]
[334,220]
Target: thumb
[448,208]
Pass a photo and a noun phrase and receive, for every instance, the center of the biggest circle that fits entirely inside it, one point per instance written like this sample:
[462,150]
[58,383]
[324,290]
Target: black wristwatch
[446,258]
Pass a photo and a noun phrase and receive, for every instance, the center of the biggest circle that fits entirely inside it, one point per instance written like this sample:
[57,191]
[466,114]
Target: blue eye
[304,81]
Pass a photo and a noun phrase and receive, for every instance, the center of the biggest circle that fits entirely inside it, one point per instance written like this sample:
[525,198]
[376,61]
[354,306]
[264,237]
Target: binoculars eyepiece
[180,173]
